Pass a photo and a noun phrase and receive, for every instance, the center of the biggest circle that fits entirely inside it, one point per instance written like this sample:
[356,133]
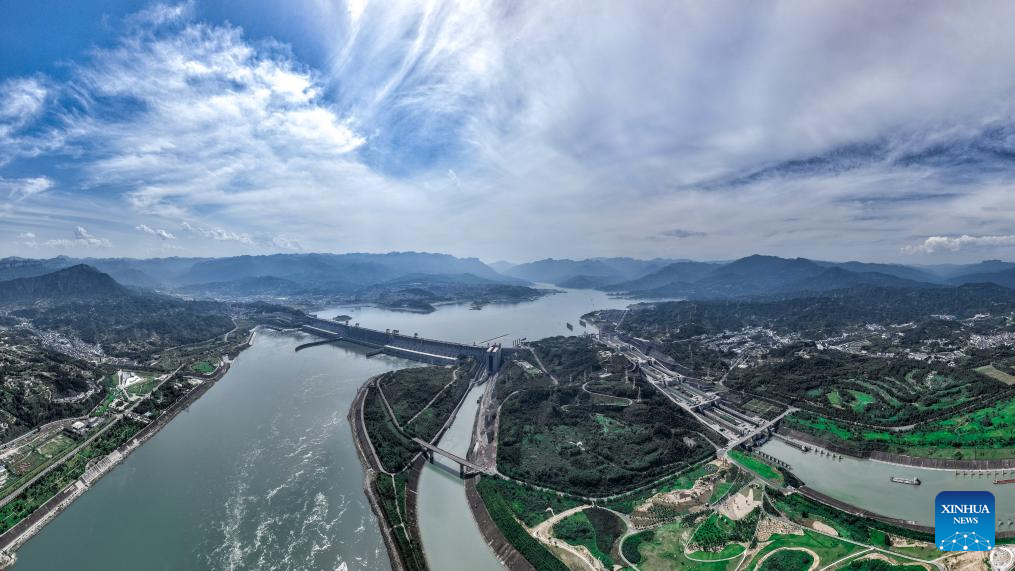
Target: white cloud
[446,119]
[162,13]
[218,233]
[21,188]
[935,244]
[286,243]
[82,239]
[27,240]
[161,233]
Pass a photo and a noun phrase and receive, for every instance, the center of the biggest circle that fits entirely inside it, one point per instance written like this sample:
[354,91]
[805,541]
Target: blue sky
[514,130]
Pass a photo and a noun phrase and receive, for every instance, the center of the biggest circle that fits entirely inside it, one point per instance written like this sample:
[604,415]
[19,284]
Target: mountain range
[751,276]
[346,275]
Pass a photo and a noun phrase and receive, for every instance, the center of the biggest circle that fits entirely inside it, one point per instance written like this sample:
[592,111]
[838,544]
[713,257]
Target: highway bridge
[465,468]
[414,347]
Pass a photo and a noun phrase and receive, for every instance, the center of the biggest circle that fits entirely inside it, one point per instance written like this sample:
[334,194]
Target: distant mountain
[429,279]
[243,287]
[594,270]
[758,274]
[502,265]
[677,272]
[78,282]
[588,282]
[836,278]
[765,275]
[13,268]
[314,269]
[897,270]
[1004,278]
[949,271]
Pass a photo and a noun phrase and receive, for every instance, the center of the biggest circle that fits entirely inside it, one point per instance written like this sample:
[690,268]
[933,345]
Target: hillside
[78,282]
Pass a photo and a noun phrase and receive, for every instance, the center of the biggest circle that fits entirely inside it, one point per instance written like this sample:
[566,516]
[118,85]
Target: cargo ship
[1007,481]
[910,481]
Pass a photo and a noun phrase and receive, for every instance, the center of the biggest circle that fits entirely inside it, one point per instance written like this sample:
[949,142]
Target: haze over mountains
[429,278]
[750,276]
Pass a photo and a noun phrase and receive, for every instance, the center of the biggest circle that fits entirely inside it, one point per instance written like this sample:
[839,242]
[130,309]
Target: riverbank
[402,538]
[23,531]
[898,459]
[371,469]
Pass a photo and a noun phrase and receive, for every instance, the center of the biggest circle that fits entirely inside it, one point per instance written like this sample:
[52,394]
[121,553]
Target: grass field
[143,388]
[731,550]
[995,373]
[758,466]
[828,549]
[203,367]
[664,551]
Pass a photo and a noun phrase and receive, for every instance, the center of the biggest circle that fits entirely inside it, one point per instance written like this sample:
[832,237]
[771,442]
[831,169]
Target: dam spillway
[414,347]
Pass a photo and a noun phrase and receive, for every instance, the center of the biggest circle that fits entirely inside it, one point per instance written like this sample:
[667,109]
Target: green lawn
[834,398]
[829,549]
[757,466]
[860,400]
[730,550]
[203,367]
[663,550]
[995,373]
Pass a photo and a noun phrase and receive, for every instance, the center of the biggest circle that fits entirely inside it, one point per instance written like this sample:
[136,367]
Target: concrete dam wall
[391,342]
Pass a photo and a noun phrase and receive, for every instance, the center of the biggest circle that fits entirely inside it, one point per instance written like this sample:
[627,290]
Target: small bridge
[465,468]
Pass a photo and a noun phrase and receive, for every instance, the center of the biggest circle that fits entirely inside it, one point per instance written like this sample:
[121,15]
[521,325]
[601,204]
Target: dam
[414,347]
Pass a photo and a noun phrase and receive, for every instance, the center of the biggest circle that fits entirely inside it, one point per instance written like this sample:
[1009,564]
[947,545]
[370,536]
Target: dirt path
[544,534]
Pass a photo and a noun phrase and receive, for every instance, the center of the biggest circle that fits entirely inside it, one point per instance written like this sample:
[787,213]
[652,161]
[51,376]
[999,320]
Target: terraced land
[984,434]
[869,390]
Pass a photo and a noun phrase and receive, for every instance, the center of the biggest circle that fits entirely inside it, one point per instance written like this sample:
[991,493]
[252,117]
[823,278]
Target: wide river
[261,472]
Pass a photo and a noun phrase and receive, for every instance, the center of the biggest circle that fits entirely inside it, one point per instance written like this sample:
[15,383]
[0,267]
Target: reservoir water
[261,472]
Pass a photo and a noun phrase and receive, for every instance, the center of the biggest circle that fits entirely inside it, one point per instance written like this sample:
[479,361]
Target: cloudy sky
[517,130]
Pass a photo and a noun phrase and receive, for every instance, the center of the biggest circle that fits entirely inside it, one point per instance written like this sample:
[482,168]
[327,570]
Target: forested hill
[83,302]
[78,282]
[826,311]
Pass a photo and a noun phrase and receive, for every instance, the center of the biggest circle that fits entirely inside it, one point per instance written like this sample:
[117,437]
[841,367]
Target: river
[866,484]
[261,472]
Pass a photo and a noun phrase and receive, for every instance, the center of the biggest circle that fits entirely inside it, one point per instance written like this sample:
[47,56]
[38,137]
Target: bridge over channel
[414,347]
[465,468]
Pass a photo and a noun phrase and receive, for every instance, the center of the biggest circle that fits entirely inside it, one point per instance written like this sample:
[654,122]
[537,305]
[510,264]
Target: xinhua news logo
[964,521]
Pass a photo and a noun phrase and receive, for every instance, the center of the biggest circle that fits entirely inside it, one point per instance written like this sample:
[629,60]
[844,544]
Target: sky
[509,130]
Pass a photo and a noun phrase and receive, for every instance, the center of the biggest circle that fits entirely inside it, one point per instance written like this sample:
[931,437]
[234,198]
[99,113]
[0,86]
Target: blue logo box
[964,521]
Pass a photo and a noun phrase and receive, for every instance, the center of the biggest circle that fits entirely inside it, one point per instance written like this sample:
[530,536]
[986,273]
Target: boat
[1006,481]
[902,480]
